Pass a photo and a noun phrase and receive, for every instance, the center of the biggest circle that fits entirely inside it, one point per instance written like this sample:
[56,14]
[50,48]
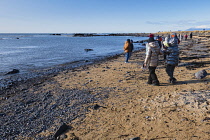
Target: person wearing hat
[151,60]
[127,49]
[172,57]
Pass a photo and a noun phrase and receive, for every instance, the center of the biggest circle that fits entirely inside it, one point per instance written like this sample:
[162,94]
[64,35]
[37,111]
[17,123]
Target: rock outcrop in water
[14,71]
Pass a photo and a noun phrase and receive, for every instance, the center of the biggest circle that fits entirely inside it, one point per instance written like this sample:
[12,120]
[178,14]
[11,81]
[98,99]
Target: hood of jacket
[154,44]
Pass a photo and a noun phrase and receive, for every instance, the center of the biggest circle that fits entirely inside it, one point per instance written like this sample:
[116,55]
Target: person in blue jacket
[172,57]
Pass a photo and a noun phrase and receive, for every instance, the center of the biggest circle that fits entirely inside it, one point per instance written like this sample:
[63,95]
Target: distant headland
[196,33]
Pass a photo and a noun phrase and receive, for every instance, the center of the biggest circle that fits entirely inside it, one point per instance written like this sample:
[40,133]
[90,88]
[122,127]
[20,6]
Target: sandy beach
[111,100]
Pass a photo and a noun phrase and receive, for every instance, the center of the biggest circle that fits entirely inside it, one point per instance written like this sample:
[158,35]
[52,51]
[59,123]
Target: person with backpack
[151,60]
[127,49]
[172,57]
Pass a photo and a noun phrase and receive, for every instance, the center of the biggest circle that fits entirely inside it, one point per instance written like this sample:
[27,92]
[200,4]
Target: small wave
[9,52]
[28,47]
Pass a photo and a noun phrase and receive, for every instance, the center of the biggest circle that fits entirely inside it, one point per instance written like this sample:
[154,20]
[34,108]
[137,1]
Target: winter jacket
[127,47]
[152,53]
[172,52]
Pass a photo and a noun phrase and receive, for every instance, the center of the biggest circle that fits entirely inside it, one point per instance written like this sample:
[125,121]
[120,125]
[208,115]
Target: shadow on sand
[187,82]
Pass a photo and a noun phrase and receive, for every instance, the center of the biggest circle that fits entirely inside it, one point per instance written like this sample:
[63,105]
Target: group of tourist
[168,46]
[184,36]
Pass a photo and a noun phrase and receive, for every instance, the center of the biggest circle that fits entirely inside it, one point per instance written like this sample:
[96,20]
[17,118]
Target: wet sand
[120,105]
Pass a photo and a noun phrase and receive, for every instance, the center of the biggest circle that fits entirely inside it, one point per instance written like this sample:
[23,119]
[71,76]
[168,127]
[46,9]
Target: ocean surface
[28,52]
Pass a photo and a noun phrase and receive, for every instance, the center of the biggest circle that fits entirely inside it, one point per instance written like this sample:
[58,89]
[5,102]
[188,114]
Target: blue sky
[102,16]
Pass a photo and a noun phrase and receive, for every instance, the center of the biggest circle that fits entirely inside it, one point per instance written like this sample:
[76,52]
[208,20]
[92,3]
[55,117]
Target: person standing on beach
[180,37]
[191,35]
[185,37]
[172,57]
[151,60]
[132,47]
[127,50]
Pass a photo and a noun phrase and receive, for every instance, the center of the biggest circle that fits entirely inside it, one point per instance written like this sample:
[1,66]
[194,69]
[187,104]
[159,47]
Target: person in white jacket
[151,60]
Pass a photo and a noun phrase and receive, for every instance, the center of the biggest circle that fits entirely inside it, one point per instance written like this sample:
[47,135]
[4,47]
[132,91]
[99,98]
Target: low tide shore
[111,100]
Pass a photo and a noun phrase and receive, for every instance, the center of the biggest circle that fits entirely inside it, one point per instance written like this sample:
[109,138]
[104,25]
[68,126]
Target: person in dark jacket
[191,35]
[172,57]
[159,39]
[132,46]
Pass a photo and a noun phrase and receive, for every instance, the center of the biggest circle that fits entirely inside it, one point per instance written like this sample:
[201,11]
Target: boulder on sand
[201,74]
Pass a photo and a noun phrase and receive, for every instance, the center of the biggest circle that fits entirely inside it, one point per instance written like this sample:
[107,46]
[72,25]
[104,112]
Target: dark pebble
[136,138]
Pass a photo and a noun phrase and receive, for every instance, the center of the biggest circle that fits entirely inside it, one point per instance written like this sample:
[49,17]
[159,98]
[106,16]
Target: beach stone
[136,138]
[206,119]
[201,74]
[61,130]
[13,71]
[87,50]
[96,106]
[2,114]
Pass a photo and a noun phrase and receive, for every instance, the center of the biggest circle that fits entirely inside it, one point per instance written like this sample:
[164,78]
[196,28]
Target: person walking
[127,50]
[151,60]
[172,57]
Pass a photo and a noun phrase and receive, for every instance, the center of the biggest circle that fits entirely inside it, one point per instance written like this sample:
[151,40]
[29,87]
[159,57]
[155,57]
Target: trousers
[152,76]
[170,70]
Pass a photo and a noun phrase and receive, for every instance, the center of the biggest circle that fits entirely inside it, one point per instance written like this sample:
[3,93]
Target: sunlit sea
[27,52]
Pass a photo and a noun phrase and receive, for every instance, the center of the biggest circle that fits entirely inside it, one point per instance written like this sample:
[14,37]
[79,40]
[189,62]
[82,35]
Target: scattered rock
[61,130]
[13,71]
[87,50]
[136,138]
[206,119]
[201,74]
[96,106]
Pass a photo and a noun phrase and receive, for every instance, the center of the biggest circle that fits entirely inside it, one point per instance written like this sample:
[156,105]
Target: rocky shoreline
[28,109]
[107,95]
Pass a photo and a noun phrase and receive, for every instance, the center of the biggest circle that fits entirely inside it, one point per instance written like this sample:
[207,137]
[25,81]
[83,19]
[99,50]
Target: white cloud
[203,26]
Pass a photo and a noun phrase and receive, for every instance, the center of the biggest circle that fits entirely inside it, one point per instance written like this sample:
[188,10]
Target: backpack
[173,41]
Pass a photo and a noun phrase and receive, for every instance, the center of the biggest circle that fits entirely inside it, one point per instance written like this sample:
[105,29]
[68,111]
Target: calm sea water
[27,52]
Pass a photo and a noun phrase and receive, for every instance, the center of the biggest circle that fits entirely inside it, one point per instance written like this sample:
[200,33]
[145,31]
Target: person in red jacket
[186,37]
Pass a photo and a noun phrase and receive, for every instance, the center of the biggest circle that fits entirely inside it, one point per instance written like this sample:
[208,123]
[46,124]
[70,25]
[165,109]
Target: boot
[172,80]
[155,83]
